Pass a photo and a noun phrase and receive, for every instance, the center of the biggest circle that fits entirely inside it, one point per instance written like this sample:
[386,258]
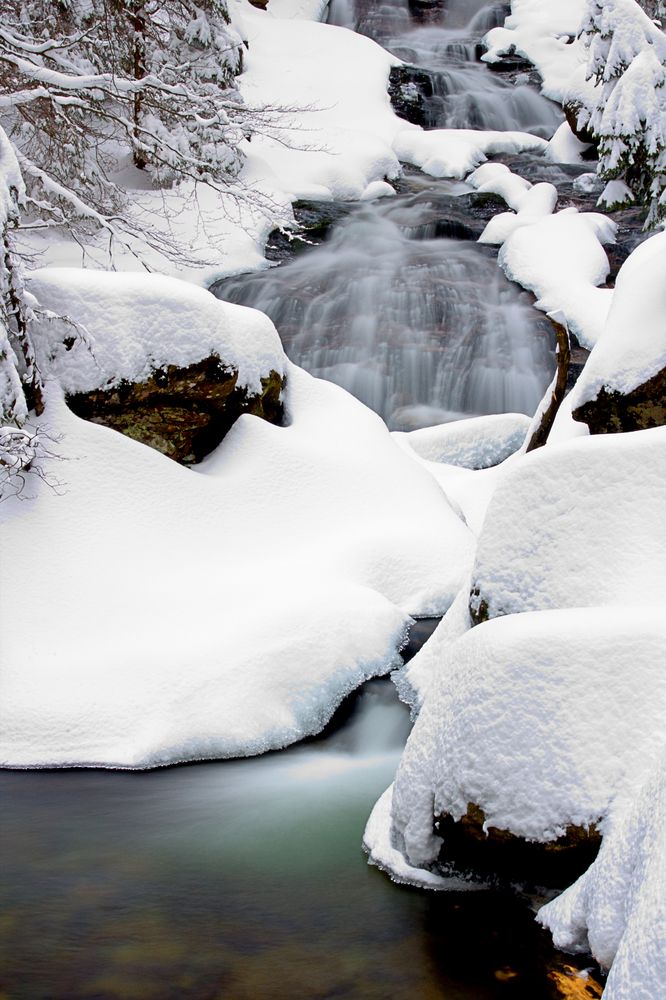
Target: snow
[455,152]
[616,909]
[541,31]
[558,256]
[616,194]
[385,856]
[578,524]
[561,259]
[219,612]
[541,719]
[535,204]
[476,443]
[565,147]
[633,346]
[134,324]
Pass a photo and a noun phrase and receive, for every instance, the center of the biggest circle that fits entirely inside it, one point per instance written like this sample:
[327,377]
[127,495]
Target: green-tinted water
[240,880]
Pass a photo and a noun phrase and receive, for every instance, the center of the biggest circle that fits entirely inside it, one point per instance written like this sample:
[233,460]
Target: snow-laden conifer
[627,114]
[91,90]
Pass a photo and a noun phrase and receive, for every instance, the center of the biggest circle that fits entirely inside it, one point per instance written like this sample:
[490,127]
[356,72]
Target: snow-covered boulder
[157,358]
[617,908]
[578,524]
[531,727]
[218,611]
[623,384]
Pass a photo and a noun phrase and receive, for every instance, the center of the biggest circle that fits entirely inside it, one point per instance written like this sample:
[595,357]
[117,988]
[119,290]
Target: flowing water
[241,880]
[245,879]
[421,329]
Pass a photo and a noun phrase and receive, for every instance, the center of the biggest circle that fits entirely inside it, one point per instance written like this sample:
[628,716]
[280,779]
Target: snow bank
[542,32]
[633,346]
[561,259]
[477,443]
[578,524]
[134,324]
[220,612]
[616,909]
[540,719]
[455,152]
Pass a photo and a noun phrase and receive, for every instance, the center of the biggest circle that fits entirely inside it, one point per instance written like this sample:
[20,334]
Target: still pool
[243,880]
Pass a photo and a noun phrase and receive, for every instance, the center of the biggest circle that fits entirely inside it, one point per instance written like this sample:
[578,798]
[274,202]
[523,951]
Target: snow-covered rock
[543,33]
[578,524]
[218,612]
[540,720]
[616,909]
[561,259]
[134,324]
[156,358]
[623,384]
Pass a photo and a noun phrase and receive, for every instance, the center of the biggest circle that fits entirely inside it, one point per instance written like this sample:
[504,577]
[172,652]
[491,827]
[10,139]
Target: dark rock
[615,412]
[503,855]
[410,89]
[511,63]
[182,412]
[314,220]
[419,633]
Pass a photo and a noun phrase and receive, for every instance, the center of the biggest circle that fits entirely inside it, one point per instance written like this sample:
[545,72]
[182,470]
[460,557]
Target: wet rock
[314,220]
[182,412]
[511,63]
[614,412]
[410,89]
[499,853]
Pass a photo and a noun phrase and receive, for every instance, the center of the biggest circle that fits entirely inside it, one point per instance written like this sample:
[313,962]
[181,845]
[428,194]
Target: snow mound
[535,204]
[133,324]
[540,719]
[565,147]
[633,346]
[545,34]
[616,909]
[561,259]
[476,443]
[577,524]
[218,612]
[455,152]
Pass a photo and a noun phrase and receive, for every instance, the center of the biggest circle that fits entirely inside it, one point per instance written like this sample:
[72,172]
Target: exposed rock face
[500,853]
[182,412]
[613,412]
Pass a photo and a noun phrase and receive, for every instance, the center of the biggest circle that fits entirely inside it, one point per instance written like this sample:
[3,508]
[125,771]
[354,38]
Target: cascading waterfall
[420,329]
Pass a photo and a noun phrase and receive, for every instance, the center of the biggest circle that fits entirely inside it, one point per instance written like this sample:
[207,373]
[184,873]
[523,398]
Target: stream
[245,879]
[423,328]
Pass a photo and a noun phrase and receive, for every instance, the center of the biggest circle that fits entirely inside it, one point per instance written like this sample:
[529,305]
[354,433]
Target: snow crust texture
[535,756]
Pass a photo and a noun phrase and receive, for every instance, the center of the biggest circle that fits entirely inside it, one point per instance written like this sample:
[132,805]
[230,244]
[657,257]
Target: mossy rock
[182,412]
[500,854]
[614,412]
